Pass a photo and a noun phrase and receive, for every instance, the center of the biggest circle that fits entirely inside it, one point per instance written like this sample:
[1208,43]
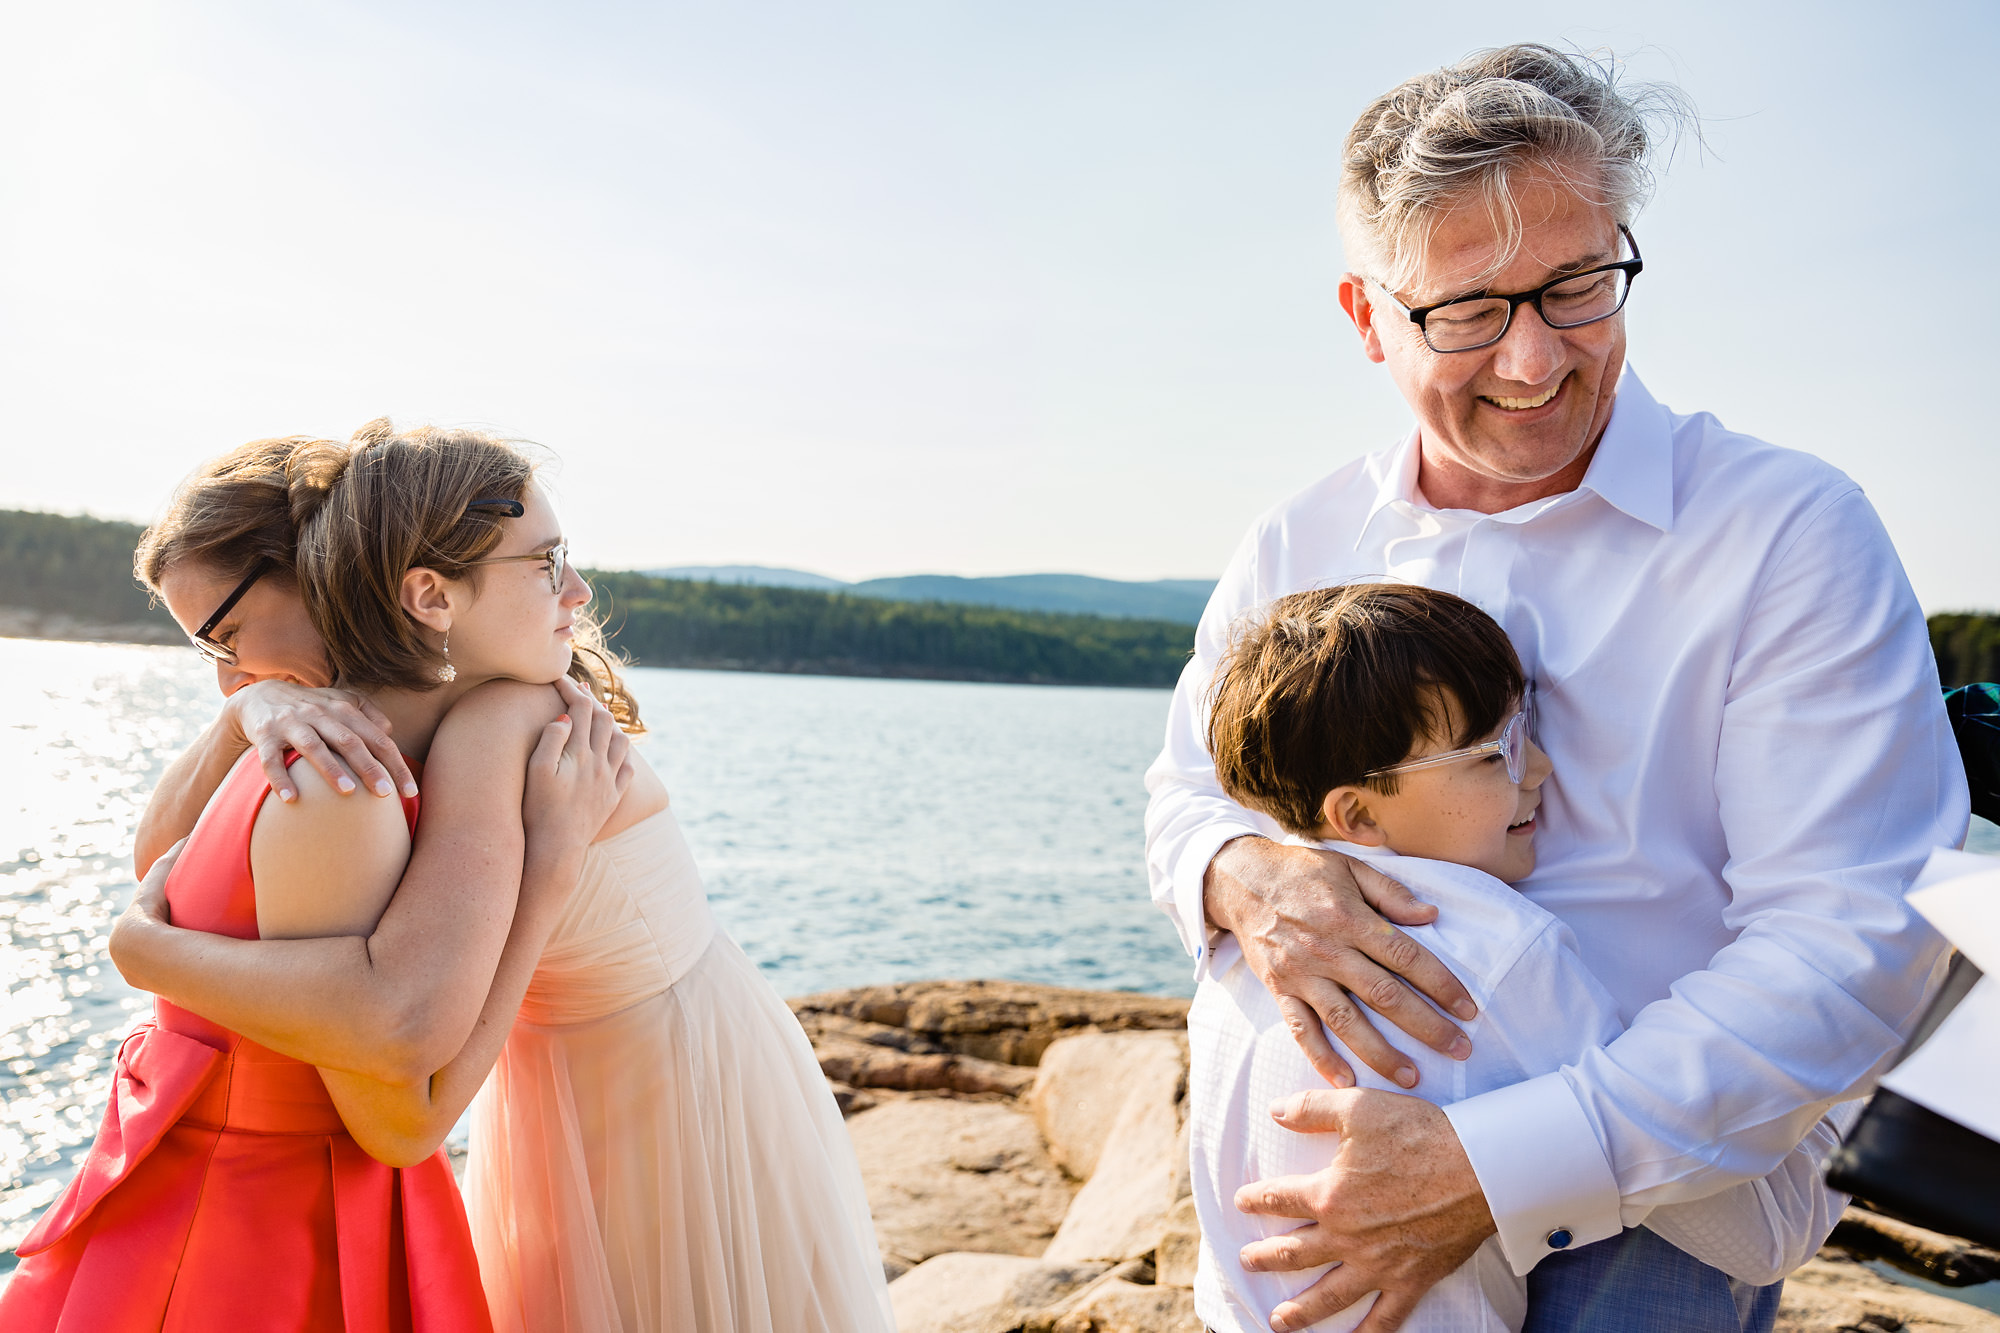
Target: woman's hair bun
[378,431]
[310,474]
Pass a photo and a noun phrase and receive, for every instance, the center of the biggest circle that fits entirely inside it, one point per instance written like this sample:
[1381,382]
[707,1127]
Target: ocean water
[850,831]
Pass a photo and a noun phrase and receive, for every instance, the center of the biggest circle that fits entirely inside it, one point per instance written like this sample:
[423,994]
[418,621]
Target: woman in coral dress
[656,1149]
[232,1186]
[223,1190]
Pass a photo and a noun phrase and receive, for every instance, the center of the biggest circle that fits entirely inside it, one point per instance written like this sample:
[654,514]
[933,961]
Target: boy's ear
[427,598]
[1349,818]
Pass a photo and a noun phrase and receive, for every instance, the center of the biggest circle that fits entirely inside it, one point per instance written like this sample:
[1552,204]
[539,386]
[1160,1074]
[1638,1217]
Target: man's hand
[338,732]
[1319,930]
[1398,1208]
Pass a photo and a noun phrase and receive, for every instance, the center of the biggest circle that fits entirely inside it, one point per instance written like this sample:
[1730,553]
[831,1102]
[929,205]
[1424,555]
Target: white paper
[1959,893]
[1957,1072]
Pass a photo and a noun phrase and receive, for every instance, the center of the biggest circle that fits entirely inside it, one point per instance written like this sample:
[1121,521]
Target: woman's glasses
[214,650]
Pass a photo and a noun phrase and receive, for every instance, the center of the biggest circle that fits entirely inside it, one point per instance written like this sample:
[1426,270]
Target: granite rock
[947,1175]
[1180,1245]
[1832,1294]
[1010,1022]
[1084,1082]
[1118,1306]
[981,1293]
[1140,1170]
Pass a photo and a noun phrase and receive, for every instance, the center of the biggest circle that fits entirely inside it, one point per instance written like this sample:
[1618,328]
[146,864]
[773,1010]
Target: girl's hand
[336,731]
[577,774]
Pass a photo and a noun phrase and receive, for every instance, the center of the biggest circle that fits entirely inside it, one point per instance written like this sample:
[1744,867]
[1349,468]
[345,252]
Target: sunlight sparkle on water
[88,729]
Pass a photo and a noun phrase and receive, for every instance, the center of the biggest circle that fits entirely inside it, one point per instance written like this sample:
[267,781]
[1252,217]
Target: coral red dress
[223,1191]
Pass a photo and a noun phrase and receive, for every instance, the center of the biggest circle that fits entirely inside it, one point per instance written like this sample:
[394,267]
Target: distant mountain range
[1179,600]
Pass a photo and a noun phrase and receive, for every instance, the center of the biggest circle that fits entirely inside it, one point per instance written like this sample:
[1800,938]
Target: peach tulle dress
[656,1148]
[223,1191]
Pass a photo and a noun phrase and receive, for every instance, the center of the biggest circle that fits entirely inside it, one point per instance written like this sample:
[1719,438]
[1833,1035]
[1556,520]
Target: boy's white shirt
[1539,1010]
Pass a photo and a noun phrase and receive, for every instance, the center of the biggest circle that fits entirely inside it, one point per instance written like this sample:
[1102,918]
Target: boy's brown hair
[1323,687]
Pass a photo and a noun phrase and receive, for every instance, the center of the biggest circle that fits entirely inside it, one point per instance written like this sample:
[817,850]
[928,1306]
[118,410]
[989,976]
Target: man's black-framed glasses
[1469,323]
[211,649]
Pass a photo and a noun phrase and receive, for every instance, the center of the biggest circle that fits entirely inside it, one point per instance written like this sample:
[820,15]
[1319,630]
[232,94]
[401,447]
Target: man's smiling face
[1517,421]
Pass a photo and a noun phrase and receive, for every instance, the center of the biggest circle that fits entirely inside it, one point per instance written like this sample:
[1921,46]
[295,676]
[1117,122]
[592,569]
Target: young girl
[657,1148]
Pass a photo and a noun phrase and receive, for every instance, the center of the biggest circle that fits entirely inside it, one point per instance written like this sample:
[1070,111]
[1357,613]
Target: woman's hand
[576,776]
[338,732]
[147,909]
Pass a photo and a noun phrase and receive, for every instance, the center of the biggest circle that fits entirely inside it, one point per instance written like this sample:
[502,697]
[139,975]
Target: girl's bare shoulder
[510,700]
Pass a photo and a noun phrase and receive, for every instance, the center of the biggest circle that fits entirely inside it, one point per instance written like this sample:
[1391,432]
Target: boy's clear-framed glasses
[556,557]
[1469,323]
[212,650]
[1511,745]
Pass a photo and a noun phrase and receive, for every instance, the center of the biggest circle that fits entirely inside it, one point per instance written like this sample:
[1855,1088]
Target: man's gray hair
[1474,129]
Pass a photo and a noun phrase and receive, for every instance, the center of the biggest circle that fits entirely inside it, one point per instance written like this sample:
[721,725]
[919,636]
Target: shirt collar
[1632,470]
[1396,480]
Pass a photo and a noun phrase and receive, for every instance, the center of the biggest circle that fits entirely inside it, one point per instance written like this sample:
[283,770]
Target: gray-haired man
[1733,680]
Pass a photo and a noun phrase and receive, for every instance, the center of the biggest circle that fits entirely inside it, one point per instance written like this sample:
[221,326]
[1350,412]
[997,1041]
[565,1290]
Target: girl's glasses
[556,557]
[1511,745]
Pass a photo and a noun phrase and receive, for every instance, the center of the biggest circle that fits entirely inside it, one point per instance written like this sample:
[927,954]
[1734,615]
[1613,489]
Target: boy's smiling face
[1469,812]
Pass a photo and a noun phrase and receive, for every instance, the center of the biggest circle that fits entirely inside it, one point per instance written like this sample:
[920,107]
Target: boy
[1394,721]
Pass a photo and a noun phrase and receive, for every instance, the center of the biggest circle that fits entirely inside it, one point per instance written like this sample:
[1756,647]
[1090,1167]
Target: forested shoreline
[78,571]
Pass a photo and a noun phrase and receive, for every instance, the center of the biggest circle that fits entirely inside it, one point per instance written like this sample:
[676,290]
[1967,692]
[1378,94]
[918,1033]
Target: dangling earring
[447,673]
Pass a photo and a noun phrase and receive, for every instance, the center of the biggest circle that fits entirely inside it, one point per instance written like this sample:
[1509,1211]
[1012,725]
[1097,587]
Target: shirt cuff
[1190,913]
[1538,1161]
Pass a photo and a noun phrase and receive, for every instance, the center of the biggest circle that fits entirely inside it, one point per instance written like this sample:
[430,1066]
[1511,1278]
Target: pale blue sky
[874,288]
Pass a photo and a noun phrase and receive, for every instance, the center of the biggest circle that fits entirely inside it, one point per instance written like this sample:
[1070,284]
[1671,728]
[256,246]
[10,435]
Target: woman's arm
[575,779]
[338,732]
[398,1003]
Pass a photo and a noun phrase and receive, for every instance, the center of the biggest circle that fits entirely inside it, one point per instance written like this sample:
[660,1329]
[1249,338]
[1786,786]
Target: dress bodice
[637,922]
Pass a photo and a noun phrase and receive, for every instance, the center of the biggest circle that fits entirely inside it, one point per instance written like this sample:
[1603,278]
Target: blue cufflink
[1560,1238]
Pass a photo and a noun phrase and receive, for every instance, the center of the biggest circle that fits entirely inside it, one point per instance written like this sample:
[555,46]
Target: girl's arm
[395,1004]
[575,779]
[339,733]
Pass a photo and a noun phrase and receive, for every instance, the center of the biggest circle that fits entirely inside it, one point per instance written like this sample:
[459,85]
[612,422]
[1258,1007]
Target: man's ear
[1354,300]
[1349,817]
[427,598]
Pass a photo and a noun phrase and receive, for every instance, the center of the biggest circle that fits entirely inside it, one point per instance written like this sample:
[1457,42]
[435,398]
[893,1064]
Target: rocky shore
[1026,1159]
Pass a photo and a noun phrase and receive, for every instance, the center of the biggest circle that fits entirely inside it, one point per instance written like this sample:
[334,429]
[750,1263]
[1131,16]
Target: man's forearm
[184,789]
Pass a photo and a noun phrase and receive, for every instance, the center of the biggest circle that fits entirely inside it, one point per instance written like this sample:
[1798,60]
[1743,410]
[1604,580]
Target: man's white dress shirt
[1752,761]
[1540,1010]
